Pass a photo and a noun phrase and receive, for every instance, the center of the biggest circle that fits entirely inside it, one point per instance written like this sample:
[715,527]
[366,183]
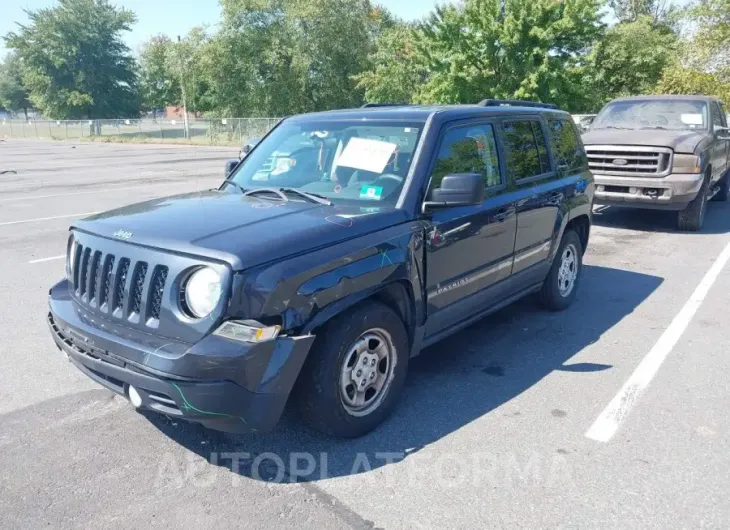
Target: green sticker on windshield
[374,193]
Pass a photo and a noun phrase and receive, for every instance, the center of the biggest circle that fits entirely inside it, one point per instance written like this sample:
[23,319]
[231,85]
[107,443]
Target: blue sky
[175,17]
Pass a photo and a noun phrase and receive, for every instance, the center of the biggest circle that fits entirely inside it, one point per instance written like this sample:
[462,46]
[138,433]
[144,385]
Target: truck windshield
[671,114]
[361,161]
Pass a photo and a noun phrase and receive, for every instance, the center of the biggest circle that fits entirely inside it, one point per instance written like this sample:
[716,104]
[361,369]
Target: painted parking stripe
[47,259]
[620,406]
[47,218]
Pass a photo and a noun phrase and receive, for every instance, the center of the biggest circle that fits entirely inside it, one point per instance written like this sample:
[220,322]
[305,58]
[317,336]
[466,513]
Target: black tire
[552,295]
[693,216]
[724,191]
[318,394]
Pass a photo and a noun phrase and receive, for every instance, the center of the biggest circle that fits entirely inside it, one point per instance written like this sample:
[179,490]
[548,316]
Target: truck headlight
[687,164]
[70,257]
[202,292]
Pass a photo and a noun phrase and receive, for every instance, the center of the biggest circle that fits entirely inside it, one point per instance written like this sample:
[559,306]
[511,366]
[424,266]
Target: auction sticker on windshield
[366,154]
[691,119]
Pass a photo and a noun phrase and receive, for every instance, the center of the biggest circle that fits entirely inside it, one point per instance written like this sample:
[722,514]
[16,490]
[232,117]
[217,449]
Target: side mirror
[460,189]
[246,149]
[721,133]
[230,166]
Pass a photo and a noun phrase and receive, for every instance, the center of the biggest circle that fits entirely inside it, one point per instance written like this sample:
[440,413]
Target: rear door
[539,196]
[469,249]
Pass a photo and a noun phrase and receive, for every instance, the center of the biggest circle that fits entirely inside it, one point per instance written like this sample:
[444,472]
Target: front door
[470,248]
[719,147]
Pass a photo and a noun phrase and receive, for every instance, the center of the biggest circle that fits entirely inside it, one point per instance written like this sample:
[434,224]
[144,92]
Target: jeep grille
[628,160]
[122,291]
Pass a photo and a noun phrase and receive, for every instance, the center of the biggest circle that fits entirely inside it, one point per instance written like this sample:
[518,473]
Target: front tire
[355,372]
[693,216]
[561,285]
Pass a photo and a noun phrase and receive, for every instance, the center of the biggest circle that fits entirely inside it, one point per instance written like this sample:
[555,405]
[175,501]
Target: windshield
[671,114]
[364,162]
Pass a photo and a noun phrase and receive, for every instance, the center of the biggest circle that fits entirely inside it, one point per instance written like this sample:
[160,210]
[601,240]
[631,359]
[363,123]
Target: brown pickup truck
[661,152]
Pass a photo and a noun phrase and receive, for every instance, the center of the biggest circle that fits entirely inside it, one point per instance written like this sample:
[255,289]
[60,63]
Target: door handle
[501,215]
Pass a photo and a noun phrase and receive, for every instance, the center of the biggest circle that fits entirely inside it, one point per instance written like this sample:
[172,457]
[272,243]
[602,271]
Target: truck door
[469,249]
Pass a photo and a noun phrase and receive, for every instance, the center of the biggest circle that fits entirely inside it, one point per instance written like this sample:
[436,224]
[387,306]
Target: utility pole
[182,89]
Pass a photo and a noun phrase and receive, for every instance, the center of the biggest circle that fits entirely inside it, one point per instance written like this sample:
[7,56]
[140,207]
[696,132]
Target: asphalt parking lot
[502,425]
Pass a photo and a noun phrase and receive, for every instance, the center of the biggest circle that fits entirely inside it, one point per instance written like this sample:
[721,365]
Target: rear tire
[693,216]
[355,372]
[561,285]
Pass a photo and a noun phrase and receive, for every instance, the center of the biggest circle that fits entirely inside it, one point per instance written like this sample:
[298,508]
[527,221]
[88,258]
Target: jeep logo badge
[123,235]
[619,161]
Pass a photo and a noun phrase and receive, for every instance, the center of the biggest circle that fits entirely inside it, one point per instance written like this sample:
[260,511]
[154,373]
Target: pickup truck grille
[628,160]
[125,291]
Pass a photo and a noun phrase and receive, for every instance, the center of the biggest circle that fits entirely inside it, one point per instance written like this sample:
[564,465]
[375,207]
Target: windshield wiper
[235,184]
[656,127]
[613,127]
[313,197]
[281,193]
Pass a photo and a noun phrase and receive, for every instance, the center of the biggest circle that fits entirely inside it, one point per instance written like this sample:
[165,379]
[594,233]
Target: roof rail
[515,103]
[370,105]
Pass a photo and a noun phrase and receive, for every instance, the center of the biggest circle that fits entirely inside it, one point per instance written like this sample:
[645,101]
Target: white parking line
[111,190]
[46,218]
[47,259]
[618,409]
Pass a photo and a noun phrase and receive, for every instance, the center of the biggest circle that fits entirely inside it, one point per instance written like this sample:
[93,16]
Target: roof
[683,97]
[422,112]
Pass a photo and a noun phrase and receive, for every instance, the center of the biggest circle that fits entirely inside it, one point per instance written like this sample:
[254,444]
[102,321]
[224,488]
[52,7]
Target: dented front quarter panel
[304,291]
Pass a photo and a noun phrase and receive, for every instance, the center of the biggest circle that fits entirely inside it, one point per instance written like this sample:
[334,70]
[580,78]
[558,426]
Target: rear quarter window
[567,147]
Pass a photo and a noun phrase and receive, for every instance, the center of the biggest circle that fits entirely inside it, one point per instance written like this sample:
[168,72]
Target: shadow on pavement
[717,219]
[449,385]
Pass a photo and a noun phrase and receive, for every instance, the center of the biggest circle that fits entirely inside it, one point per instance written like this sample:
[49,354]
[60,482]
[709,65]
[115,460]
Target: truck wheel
[691,218]
[561,285]
[355,372]
[722,193]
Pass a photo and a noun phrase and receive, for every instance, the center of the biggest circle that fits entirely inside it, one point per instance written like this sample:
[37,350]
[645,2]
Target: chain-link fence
[219,131]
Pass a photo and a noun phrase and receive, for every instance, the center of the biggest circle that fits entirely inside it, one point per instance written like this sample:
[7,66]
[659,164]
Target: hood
[678,141]
[238,230]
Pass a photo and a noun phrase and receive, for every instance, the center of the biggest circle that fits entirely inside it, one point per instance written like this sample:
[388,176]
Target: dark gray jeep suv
[661,152]
[341,245]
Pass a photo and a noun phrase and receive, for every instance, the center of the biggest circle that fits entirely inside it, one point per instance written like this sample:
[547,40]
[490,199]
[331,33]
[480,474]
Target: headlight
[202,292]
[687,164]
[70,255]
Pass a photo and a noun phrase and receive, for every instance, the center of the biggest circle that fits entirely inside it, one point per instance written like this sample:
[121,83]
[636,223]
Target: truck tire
[355,372]
[723,191]
[693,216]
[561,285]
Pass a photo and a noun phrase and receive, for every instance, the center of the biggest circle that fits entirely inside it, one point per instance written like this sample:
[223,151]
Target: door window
[527,156]
[468,150]
[716,115]
[567,148]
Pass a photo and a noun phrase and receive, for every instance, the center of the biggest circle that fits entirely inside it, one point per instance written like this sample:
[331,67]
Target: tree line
[282,57]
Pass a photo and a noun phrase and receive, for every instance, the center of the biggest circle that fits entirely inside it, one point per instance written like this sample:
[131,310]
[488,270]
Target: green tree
[677,79]
[159,82]
[397,70]
[632,10]
[508,49]
[630,59]
[13,96]
[75,63]
[709,49]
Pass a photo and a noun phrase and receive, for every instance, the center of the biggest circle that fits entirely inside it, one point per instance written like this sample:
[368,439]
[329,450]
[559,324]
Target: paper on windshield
[691,119]
[367,154]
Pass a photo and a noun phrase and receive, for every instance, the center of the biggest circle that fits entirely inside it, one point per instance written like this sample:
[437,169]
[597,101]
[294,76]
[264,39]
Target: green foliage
[710,46]
[679,80]
[630,59]
[511,49]
[13,95]
[74,62]
[159,85]
[397,70]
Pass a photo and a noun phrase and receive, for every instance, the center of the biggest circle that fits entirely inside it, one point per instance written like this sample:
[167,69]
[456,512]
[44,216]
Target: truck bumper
[673,192]
[224,385]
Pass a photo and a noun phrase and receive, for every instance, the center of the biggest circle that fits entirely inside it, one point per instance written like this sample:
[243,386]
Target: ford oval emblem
[619,161]
[123,235]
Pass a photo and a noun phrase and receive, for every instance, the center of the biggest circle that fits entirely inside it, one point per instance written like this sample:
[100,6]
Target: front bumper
[222,384]
[673,192]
